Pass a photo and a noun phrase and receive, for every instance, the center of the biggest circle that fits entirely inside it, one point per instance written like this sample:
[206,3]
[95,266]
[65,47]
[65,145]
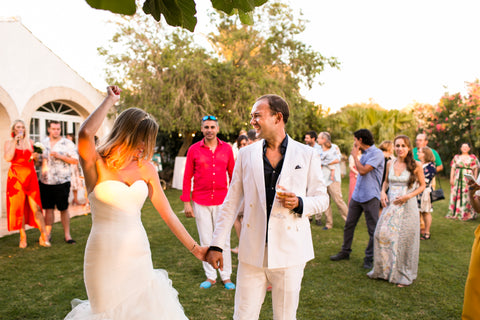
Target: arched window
[68,117]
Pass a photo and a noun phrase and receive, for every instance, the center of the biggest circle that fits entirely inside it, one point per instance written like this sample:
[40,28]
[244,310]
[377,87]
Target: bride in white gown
[119,276]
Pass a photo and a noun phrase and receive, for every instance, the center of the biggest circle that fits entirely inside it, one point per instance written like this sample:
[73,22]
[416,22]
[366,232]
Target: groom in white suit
[275,242]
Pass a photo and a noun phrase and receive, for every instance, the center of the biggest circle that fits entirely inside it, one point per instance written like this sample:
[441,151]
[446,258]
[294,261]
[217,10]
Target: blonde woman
[119,277]
[23,194]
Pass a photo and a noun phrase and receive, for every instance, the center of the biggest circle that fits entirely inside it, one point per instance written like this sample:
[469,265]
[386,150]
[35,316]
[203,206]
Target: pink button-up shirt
[209,171]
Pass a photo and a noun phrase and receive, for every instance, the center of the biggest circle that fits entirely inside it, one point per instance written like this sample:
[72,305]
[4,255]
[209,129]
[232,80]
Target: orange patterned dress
[22,183]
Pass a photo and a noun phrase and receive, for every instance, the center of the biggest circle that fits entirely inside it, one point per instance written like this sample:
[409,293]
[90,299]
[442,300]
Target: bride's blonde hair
[130,128]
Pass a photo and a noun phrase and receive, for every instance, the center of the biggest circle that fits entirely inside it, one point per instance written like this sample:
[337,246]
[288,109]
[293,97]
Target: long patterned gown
[397,235]
[459,207]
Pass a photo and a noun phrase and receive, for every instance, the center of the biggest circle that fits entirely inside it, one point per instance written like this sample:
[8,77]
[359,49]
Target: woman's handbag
[438,194]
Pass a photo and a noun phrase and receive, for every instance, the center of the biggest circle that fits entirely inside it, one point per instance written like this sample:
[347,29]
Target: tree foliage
[453,121]
[384,124]
[179,13]
[166,73]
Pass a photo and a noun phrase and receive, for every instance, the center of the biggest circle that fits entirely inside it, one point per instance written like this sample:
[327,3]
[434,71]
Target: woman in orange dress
[23,194]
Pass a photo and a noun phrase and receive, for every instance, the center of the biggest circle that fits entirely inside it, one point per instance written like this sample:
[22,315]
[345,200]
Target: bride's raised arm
[86,136]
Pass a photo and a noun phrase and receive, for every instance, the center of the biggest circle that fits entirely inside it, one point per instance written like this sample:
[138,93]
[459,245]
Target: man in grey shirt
[365,197]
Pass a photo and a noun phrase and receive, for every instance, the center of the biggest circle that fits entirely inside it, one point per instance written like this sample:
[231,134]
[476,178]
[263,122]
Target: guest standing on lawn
[366,197]
[396,239]
[23,194]
[210,163]
[427,158]
[459,207]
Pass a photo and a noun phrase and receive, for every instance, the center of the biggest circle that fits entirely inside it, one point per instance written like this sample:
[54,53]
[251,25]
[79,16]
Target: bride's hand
[113,92]
[200,253]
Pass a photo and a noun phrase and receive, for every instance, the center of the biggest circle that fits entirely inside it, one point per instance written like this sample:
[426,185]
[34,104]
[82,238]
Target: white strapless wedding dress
[118,271]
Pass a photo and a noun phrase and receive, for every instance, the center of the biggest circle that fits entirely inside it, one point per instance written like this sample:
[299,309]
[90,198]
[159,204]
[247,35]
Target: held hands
[200,253]
[287,199]
[215,258]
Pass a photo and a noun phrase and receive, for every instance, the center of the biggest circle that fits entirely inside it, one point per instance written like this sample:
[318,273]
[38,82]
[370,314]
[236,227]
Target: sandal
[426,236]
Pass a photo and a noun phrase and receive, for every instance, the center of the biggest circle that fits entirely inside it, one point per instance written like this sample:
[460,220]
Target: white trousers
[252,283]
[205,217]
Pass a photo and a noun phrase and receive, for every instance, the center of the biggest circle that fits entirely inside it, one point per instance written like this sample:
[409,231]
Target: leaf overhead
[178,13]
[228,6]
[127,7]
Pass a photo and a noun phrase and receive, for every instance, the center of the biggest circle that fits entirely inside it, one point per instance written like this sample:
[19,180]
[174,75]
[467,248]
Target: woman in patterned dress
[397,235]
[460,208]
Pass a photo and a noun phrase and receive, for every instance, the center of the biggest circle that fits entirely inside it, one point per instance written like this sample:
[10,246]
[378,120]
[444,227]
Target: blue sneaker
[206,284]
[229,286]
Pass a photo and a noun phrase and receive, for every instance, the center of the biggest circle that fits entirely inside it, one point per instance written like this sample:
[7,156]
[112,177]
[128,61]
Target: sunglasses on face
[209,118]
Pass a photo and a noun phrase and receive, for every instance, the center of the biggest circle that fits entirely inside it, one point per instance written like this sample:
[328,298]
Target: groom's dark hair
[277,104]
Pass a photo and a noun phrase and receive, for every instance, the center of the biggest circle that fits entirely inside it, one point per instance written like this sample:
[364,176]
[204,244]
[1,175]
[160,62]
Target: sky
[393,53]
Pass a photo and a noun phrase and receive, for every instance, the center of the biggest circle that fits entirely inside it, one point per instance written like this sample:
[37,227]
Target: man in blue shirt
[366,196]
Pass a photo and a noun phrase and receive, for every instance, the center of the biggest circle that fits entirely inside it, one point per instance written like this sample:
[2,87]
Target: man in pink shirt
[208,162]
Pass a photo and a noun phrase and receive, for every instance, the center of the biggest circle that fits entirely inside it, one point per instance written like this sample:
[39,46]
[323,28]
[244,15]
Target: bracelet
[194,246]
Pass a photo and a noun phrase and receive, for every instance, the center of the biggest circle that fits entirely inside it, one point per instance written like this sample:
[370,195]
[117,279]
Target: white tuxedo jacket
[289,235]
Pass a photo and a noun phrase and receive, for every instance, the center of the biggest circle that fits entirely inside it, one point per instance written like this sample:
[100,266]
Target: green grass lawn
[38,283]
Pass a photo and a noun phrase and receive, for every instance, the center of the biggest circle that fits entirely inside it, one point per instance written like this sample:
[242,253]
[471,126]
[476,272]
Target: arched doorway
[68,117]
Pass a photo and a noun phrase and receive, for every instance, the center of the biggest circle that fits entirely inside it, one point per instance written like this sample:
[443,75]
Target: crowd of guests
[391,185]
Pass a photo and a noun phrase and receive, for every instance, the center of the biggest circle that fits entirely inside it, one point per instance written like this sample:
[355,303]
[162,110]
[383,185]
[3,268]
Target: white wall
[32,75]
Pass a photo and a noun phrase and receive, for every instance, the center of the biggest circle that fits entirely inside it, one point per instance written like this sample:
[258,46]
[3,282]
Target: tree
[267,58]
[453,121]
[171,77]
[179,13]
[383,124]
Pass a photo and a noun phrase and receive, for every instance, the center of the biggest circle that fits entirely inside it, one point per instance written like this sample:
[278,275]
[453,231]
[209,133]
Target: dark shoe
[340,256]
[368,265]
[318,223]
[325,228]
[426,236]
[71,241]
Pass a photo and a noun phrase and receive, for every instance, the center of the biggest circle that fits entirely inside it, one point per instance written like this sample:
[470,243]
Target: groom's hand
[215,258]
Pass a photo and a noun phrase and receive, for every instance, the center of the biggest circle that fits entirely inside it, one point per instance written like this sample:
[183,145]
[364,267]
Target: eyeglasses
[209,118]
